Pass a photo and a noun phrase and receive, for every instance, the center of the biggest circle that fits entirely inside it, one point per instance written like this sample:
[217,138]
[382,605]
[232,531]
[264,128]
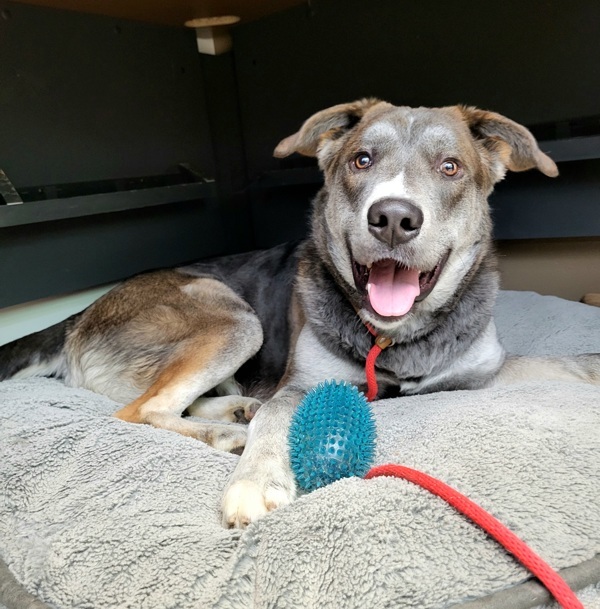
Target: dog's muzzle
[391,288]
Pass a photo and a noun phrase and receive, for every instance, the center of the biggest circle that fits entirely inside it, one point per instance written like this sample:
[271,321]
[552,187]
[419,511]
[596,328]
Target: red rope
[522,552]
[372,388]
[381,343]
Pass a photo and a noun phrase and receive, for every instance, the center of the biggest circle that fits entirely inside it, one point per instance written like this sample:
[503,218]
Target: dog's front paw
[229,438]
[263,480]
[246,411]
[246,501]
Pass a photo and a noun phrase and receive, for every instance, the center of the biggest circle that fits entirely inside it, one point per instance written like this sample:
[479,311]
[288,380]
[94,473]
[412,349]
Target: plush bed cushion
[98,513]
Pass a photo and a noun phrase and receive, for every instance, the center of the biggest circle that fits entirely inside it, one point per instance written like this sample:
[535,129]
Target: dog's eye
[363,160]
[449,167]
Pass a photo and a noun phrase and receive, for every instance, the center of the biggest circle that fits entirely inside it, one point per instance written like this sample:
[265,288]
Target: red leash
[381,343]
[504,536]
[493,527]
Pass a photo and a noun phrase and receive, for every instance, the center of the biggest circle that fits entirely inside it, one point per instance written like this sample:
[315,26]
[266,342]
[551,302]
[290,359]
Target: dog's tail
[38,354]
[583,368]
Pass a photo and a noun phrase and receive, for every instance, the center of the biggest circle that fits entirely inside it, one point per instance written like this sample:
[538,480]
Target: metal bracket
[212,33]
[8,193]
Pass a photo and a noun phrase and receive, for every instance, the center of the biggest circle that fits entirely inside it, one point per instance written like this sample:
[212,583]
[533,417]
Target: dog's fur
[404,203]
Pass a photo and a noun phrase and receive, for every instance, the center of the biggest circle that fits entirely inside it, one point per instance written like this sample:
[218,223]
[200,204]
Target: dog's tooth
[369,266]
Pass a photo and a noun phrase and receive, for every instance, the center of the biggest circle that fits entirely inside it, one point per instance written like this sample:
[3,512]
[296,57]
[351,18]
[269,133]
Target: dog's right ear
[509,145]
[328,124]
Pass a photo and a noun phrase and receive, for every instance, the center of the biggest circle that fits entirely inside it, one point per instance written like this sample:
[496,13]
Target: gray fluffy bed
[98,513]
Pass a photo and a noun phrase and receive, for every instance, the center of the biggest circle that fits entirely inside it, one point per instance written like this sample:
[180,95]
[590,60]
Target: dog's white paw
[245,502]
[229,438]
[230,408]
[250,408]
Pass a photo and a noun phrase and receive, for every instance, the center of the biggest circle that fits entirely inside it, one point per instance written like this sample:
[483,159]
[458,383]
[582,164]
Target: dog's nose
[394,221]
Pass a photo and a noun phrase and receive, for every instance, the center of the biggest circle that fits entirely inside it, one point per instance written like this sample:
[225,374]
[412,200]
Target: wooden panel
[171,12]
[568,268]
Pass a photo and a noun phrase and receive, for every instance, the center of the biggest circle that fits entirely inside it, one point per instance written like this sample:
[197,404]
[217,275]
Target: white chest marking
[313,363]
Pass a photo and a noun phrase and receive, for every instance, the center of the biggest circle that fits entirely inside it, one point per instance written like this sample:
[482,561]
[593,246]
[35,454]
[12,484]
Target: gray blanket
[98,513]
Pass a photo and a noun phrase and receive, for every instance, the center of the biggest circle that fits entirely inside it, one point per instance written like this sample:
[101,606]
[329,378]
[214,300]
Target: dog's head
[403,217]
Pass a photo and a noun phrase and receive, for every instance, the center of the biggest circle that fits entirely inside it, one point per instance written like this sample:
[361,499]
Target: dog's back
[264,279]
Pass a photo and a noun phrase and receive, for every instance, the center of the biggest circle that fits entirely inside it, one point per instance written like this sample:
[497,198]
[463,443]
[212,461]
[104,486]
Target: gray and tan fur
[404,203]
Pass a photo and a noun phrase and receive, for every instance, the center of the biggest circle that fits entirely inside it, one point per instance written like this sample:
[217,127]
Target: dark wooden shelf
[34,212]
[573,149]
[172,12]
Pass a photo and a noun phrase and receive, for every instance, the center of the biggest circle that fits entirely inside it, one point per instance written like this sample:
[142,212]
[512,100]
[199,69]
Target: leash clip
[383,342]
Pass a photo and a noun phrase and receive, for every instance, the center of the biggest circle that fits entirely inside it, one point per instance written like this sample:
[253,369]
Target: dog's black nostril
[381,222]
[394,221]
[407,224]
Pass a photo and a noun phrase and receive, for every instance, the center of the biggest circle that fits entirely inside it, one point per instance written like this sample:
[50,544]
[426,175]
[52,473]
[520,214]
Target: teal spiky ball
[332,435]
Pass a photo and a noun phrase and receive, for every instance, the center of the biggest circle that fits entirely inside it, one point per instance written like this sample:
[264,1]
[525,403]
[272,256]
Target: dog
[400,247]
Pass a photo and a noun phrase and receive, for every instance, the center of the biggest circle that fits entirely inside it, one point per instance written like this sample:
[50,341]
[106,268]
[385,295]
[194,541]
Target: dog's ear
[327,124]
[510,145]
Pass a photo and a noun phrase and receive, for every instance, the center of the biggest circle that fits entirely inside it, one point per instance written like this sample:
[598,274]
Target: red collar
[381,343]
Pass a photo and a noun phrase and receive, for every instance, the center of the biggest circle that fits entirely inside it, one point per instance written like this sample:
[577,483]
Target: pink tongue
[392,290]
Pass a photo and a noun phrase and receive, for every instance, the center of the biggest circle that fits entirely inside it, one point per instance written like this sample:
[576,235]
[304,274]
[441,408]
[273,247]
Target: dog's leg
[230,406]
[178,385]
[576,368]
[203,360]
[263,480]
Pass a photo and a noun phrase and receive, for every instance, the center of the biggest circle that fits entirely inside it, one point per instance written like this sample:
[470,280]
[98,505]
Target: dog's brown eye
[449,167]
[363,160]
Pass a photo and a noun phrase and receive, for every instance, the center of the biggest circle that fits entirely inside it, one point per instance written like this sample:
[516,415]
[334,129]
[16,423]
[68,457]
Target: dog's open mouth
[392,288]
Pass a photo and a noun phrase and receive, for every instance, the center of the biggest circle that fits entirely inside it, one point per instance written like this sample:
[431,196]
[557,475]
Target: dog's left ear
[510,145]
[325,125]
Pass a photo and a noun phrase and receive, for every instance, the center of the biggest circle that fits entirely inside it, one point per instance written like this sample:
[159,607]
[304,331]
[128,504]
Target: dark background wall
[90,98]
[86,98]
[535,61]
